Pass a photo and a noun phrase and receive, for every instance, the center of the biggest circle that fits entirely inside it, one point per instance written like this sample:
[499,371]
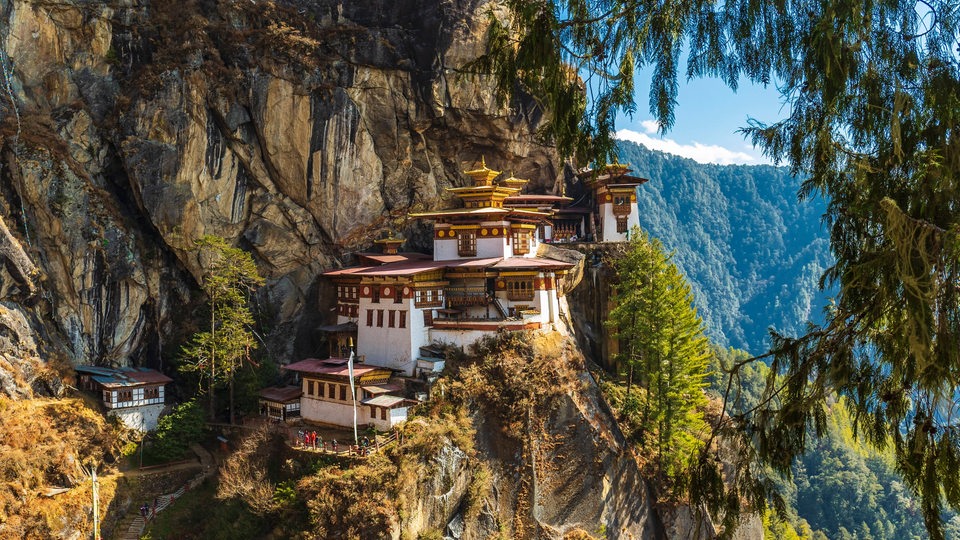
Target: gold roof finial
[482,176]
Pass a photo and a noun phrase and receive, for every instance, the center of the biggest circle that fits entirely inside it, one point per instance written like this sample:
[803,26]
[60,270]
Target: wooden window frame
[379,318]
[467,244]
[392,319]
[520,289]
[403,319]
[521,242]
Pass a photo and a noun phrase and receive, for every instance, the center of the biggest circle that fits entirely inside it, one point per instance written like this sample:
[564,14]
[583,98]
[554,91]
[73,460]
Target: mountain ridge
[752,252]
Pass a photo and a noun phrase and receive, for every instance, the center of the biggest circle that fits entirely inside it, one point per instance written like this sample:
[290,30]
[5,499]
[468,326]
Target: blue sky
[708,115]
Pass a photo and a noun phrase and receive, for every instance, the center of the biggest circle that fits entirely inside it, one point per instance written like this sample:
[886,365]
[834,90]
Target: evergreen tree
[664,348]
[217,353]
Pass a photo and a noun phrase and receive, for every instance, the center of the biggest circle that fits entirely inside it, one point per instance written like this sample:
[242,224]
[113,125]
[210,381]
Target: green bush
[176,432]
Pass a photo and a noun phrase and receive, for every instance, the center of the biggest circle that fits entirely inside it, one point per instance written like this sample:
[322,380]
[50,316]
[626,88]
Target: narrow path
[132,527]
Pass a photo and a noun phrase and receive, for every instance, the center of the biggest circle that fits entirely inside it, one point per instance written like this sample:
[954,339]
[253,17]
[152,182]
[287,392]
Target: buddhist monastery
[484,277]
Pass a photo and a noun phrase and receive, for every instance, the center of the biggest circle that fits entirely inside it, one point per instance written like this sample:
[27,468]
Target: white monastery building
[484,277]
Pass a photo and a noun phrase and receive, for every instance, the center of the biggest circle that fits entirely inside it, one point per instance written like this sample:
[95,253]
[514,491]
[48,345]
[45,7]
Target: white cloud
[650,126]
[701,153]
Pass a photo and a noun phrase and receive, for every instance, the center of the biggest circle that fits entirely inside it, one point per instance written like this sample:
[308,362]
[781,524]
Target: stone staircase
[133,528]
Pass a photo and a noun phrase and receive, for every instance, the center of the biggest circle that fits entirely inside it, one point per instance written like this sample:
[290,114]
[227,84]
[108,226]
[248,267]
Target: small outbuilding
[135,395]
[280,402]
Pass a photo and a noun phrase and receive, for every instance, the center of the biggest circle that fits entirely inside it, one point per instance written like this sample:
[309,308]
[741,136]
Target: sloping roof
[397,257]
[383,401]
[466,211]
[531,262]
[281,394]
[409,268]
[123,376]
[377,389]
[330,367]
[349,326]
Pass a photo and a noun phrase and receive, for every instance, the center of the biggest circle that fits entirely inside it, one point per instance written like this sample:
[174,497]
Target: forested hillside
[841,487]
[753,254]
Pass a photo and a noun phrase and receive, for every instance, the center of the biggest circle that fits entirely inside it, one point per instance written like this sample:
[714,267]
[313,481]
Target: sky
[708,115]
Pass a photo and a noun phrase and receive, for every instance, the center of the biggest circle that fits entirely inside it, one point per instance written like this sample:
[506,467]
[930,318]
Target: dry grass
[43,444]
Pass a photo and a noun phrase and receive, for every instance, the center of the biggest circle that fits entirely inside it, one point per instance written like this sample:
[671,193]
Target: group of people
[312,440]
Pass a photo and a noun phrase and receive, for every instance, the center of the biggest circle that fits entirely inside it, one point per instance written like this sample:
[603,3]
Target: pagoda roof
[331,366]
[461,211]
[485,189]
[527,197]
[483,175]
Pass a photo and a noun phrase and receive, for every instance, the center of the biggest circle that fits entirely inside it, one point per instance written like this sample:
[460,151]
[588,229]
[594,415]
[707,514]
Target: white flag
[353,394]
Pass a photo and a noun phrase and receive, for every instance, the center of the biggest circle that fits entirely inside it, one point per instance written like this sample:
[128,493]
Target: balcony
[467,295]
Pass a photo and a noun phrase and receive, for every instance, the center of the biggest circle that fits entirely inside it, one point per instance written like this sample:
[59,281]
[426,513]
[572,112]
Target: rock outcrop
[297,130]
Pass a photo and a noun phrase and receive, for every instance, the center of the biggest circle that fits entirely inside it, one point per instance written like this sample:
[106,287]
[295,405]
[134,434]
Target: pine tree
[664,349]
[217,353]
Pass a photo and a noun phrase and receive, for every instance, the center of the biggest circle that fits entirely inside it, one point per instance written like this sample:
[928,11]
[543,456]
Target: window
[373,413]
[343,392]
[393,319]
[520,289]
[383,413]
[320,387]
[428,317]
[398,297]
[621,224]
[151,393]
[379,318]
[333,390]
[369,317]
[521,242]
[124,395]
[403,319]
[467,244]
[107,396]
[429,298]
[376,294]
[309,388]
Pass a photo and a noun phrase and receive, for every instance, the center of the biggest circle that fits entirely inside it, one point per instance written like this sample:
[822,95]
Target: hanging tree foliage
[872,95]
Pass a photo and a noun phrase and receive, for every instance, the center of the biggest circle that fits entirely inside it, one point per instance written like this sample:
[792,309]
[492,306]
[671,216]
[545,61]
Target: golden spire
[482,176]
[513,181]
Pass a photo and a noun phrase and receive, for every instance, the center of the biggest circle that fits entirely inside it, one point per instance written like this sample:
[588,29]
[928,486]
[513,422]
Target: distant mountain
[753,254]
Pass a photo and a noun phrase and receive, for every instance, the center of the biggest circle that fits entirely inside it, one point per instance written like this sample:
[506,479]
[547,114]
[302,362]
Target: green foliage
[872,90]
[752,255]
[217,353]
[841,484]
[663,348]
[175,432]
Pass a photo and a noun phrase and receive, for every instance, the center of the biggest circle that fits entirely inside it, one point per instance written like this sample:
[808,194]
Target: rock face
[297,130]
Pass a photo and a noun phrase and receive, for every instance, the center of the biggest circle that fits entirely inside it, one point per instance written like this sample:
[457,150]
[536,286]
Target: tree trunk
[231,398]
[213,355]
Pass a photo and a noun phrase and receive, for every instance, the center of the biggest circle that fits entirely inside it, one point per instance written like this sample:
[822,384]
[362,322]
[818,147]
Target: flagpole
[353,393]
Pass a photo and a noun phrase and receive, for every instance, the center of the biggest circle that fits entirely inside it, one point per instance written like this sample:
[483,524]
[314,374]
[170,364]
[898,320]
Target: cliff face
[298,130]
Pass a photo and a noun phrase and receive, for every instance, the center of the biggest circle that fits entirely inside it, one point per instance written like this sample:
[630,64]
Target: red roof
[330,367]
[281,394]
[409,268]
[531,262]
[398,257]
